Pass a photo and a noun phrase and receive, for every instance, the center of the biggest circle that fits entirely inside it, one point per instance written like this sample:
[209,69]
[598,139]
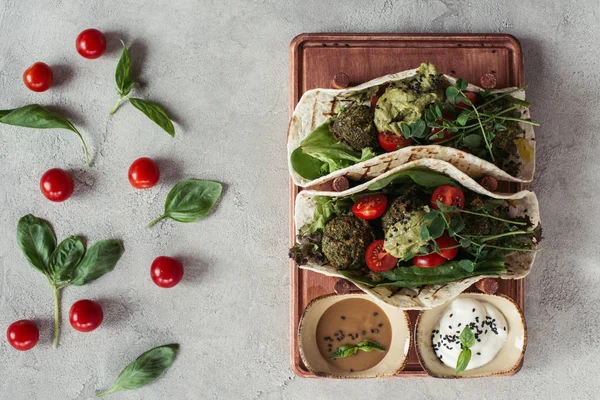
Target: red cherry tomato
[449,196]
[38,77]
[23,335]
[166,272]
[143,173]
[448,243]
[371,206]
[379,260]
[392,142]
[472,96]
[428,261]
[57,185]
[91,43]
[449,116]
[86,315]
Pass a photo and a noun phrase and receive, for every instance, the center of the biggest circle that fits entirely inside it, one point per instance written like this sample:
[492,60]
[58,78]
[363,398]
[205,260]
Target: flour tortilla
[318,105]
[518,264]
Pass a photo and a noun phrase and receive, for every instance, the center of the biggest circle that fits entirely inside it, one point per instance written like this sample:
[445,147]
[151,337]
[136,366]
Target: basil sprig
[66,263]
[467,339]
[125,83]
[38,117]
[190,200]
[145,369]
[350,350]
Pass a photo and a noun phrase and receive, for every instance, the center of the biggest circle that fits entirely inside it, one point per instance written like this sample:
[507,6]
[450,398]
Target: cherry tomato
[392,142]
[143,173]
[378,259]
[371,206]
[23,335]
[472,96]
[86,315]
[449,196]
[445,242]
[428,261]
[380,92]
[57,185]
[166,272]
[91,43]
[38,77]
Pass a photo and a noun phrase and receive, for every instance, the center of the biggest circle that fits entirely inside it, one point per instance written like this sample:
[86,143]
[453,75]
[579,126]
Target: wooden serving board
[314,60]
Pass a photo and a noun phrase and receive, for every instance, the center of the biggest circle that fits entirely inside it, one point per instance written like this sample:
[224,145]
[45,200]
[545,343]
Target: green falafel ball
[355,127]
[345,242]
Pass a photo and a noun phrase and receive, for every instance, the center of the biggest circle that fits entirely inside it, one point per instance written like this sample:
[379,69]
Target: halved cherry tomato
[392,142]
[447,246]
[371,206]
[449,196]
[472,96]
[379,260]
[428,261]
[38,77]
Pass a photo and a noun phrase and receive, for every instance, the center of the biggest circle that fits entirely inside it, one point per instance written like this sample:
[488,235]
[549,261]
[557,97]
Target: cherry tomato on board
[57,185]
[166,272]
[392,142]
[86,315]
[143,173]
[38,77]
[449,196]
[371,206]
[428,261]
[379,260]
[91,43]
[23,335]
[448,243]
[472,96]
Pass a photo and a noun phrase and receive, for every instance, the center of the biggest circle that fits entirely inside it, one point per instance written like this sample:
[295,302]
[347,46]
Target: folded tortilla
[517,266]
[318,105]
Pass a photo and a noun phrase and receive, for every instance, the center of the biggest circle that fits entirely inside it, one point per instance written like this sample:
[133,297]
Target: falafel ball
[402,206]
[345,242]
[355,127]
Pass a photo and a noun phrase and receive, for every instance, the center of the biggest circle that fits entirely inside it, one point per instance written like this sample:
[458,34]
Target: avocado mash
[404,236]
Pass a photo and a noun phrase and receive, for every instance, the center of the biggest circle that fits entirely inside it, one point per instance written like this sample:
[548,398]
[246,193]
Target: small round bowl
[393,362]
[506,362]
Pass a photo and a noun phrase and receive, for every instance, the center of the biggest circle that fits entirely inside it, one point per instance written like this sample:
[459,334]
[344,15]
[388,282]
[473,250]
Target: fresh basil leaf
[190,200]
[100,259]
[437,227]
[463,360]
[155,113]
[37,241]
[343,352]
[467,337]
[122,78]
[467,265]
[65,258]
[305,165]
[369,345]
[145,369]
[38,117]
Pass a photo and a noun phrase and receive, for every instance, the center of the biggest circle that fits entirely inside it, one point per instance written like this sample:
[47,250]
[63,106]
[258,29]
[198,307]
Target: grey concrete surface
[221,69]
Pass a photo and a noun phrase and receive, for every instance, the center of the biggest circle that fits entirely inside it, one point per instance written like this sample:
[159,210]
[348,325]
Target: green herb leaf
[145,369]
[369,345]
[418,129]
[343,352]
[100,259]
[437,227]
[122,78]
[37,241]
[421,178]
[451,93]
[457,224]
[305,165]
[472,141]
[65,258]
[406,130]
[467,338]
[190,200]
[467,265]
[461,84]
[463,360]
[463,117]
[425,232]
[155,113]
[38,117]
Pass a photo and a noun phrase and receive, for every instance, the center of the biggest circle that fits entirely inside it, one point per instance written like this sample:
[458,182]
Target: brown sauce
[348,322]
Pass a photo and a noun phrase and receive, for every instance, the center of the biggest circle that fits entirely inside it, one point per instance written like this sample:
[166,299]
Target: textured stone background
[221,68]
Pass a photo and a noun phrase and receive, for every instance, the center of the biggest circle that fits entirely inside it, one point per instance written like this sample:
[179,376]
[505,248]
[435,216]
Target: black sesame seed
[449,326]
[478,353]
[473,310]
[375,314]
[451,315]
[459,324]
[380,325]
[504,329]
[343,317]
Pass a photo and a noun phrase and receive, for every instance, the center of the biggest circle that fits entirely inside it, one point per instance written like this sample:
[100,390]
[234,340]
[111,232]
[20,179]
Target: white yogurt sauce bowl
[508,359]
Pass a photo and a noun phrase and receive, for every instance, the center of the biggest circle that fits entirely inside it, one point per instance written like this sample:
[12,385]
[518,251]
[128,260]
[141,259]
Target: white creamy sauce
[487,323]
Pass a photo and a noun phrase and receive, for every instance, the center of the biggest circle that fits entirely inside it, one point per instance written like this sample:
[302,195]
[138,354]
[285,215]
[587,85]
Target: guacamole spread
[406,100]
[404,236]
